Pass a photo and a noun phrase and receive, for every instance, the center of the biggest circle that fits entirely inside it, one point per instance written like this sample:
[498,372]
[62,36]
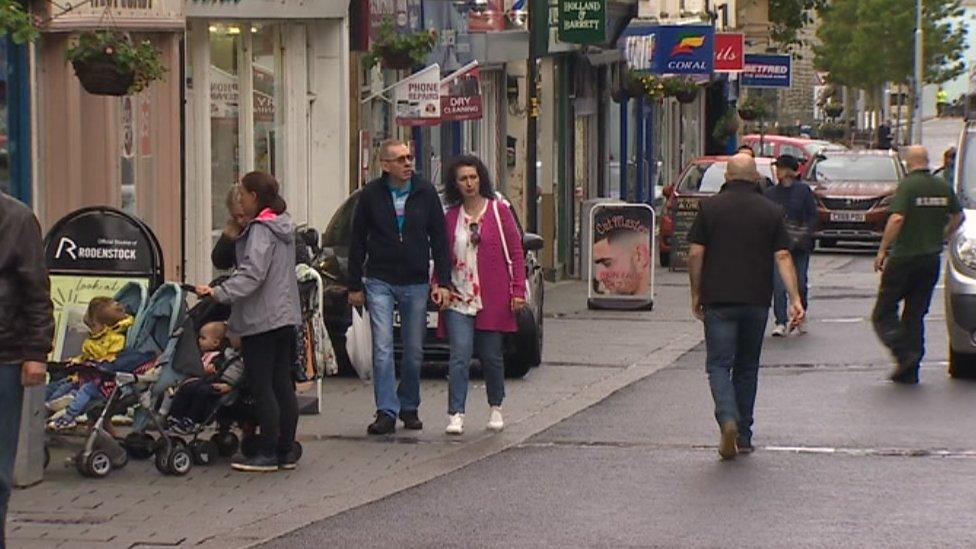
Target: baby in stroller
[197,398]
[108,323]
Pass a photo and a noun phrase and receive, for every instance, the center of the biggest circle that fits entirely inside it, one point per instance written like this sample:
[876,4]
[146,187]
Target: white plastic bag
[359,343]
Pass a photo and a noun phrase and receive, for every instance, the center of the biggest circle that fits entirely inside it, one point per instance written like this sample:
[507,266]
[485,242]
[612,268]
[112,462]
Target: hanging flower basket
[108,63]
[684,89]
[101,77]
[687,96]
[726,126]
[831,130]
[833,109]
[399,51]
[752,109]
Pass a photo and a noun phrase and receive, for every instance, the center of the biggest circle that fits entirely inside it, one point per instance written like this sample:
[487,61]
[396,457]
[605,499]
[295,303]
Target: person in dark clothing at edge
[924,212]
[734,239]
[263,294]
[797,200]
[397,226]
[26,328]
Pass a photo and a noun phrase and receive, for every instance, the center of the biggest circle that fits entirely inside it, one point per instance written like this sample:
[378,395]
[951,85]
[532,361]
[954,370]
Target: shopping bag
[359,343]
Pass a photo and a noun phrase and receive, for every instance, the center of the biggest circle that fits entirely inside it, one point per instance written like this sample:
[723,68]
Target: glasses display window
[225,160]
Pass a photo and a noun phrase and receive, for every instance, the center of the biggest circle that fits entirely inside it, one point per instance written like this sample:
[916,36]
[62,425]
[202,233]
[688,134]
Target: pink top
[497,287]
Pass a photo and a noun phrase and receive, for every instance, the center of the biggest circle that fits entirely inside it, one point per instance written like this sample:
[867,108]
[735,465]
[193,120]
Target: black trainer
[744,446]
[289,460]
[383,425]
[256,464]
[411,420]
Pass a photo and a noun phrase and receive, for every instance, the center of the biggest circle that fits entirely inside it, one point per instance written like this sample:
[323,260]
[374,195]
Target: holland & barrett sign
[582,21]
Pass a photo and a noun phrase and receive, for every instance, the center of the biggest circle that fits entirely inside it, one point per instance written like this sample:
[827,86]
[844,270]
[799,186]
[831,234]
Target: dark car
[854,191]
[523,349]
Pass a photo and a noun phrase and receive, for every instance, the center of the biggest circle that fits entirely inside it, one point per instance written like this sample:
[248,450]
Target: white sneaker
[779,330]
[455,424]
[495,421]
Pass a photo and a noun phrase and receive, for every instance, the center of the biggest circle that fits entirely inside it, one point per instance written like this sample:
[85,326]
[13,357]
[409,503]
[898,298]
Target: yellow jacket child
[108,323]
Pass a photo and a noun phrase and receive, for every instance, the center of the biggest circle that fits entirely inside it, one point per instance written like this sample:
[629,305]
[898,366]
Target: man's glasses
[401,159]
[475,234]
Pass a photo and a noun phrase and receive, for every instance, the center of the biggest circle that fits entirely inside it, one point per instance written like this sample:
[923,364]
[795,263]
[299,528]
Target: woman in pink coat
[488,276]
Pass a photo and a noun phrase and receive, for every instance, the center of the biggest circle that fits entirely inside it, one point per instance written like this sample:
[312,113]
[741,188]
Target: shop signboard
[637,45]
[621,265]
[490,18]
[417,98]
[729,51]
[460,94]
[685,49]
[94,252]
[582,21]
[127,14]
[406,16]
[767,71]
[684,216]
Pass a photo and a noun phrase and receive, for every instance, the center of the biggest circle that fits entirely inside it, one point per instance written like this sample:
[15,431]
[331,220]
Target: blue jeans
[88,392]
[11,403]
[733,343]
[801,260]
[465,340]
[58,389]
[411,301]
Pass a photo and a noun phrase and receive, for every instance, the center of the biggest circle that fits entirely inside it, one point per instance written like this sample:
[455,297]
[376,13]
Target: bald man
[924,212]
[734,241]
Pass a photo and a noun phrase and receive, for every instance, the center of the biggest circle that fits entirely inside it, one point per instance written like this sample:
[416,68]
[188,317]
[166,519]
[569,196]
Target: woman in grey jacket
[263,291]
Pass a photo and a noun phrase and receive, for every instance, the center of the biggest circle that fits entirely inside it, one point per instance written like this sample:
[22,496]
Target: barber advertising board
[684,216]
[621,266]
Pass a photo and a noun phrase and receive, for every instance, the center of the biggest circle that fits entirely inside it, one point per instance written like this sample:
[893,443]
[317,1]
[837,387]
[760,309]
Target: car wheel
[664,258]
[962,365]
[516,366]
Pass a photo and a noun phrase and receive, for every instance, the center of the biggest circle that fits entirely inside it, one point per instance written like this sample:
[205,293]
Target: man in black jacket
[26,328]
[398,226]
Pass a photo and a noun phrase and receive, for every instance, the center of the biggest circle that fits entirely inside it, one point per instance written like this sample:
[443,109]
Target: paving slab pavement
[588,356]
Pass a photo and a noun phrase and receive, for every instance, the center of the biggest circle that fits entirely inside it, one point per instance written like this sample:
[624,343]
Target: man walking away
[26,328]
[734,239]
[397,226]
[924,212]
[800,206]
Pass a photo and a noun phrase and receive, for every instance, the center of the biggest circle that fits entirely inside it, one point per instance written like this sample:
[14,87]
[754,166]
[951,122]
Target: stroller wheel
[249,445]
[227,443]
[97,464]
[297,448]
[139,445]
[180,460]
[121,461]
[204,452]
[162,458]
[47,456]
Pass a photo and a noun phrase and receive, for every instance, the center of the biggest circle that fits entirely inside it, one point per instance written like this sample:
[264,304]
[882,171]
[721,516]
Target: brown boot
[726,445]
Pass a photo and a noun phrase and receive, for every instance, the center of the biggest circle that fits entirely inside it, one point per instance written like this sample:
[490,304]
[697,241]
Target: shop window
[225,135]
[266,72]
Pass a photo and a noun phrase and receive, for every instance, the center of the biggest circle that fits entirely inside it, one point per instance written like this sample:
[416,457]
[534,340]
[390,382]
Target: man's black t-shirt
[741,231]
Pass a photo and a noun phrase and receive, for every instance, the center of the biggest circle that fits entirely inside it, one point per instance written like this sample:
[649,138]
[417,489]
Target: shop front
[266,89]
[100,150]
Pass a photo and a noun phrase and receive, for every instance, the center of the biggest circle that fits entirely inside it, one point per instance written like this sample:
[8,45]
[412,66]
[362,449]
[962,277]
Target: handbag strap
[501,233]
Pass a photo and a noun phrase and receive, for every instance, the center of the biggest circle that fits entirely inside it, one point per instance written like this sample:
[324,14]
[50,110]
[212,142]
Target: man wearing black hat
[798,201]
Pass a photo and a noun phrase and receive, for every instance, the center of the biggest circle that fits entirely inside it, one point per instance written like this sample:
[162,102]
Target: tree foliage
[788,17]
[865,43]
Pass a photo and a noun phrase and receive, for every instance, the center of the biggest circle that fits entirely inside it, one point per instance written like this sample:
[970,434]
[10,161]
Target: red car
[703,177]
[775,145]
[854,191]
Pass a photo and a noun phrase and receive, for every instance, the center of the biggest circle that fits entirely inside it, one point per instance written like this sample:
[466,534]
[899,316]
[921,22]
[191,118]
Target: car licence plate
[847,217]
[431,319]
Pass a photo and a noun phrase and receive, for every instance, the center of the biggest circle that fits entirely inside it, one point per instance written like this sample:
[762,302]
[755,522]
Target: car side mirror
[532,242]
[668,191]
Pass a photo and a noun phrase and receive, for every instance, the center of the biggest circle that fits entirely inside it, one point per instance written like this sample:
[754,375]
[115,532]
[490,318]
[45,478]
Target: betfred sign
[767,71]
[729,51]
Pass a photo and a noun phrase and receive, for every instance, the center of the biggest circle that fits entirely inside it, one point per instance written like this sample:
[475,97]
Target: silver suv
[960,285]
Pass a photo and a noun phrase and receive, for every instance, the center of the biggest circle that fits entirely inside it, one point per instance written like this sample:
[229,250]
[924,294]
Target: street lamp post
[919,83]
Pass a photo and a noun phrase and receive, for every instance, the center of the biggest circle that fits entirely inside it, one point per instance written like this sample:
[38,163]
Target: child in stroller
[107,322]
[196,399]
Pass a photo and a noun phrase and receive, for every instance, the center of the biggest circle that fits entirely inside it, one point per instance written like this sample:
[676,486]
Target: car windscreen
[337,234]
[855,168]
[708,178]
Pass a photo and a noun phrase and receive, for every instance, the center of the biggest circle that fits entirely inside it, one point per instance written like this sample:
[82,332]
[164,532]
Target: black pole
[531,128]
